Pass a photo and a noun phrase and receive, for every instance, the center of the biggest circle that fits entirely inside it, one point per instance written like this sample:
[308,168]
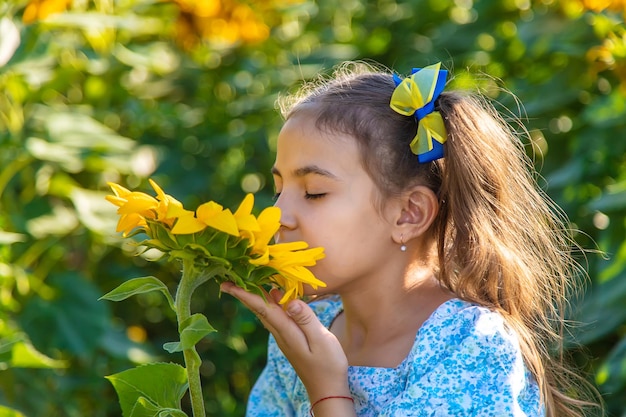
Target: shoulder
[457,323]
[469,336]
[466,359]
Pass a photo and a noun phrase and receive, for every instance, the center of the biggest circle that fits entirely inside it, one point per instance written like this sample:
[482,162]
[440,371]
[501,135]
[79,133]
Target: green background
[110,91]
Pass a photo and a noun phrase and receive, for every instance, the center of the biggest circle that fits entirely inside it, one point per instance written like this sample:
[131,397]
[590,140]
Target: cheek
[340,262]
[343,234]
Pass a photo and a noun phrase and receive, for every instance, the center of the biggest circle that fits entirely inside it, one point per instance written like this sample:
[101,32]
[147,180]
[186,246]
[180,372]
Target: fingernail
[294,308]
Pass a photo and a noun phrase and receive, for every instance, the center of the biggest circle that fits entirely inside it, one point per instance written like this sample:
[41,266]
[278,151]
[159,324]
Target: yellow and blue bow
[415,96]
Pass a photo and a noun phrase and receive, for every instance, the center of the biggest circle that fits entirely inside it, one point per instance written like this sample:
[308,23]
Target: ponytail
[502,243]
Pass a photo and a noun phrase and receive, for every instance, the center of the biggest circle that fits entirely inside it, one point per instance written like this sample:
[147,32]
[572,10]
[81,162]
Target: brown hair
[501,242]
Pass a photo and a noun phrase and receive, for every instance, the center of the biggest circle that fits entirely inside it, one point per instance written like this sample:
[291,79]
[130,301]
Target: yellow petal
[245,208]
[209,209]
[128,222]
[118,201]
[187,224]
[247,235]
[290,261]
[245,220]
[176,209]
[291,293]
[164,213]
[118,189]
[169,209]
[269,222]
[159,190]
[248,223]
[300,274]
[212,215]
[261,260]
[289,246]
[283,259]
[138,202]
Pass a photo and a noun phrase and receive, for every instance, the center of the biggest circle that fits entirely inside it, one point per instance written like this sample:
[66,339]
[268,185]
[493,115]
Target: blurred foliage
[183,91]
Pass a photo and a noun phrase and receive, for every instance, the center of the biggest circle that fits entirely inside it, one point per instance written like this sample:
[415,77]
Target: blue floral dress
[464,362]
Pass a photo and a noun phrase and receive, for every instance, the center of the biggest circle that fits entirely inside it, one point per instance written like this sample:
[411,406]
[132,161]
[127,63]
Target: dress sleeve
[467,364]
[269,396]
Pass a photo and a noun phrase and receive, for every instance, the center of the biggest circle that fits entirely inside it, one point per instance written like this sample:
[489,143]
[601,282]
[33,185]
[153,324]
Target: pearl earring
[402,245]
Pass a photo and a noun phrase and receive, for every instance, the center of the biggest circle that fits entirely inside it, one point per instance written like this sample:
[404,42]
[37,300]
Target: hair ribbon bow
[415,96]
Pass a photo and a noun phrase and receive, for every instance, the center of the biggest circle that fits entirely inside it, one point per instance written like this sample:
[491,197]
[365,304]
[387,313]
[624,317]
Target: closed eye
[314,196]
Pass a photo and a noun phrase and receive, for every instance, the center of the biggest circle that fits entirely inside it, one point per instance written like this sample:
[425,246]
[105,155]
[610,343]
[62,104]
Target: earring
[402,245]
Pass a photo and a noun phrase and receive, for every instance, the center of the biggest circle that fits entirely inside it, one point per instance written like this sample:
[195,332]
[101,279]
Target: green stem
[192,359]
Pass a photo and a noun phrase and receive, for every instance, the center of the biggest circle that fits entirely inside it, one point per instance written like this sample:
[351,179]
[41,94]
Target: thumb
[302,315]
[318,337]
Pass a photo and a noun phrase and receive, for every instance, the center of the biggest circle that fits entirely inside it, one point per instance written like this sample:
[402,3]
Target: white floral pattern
[464,362]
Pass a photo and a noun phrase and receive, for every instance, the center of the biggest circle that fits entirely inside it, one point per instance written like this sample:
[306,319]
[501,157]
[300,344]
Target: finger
[285,329]
[262,308]
[276,294]
[302,314]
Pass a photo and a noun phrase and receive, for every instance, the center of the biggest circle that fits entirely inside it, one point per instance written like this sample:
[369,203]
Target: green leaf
[155,243]
[24,355]
[170,412]
[9,412]
[145,408]
[192,330]
[7,238]
[181,254]
[139,286]
[199,248]
[160,384]
[163,235]
[218,245]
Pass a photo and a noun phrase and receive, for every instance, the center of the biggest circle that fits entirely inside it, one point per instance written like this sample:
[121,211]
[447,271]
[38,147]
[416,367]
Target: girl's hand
[314,352]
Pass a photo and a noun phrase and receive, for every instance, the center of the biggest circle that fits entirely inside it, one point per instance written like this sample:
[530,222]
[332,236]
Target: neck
[387,315]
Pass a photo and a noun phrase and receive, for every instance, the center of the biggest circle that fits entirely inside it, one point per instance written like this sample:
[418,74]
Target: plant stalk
[192,360]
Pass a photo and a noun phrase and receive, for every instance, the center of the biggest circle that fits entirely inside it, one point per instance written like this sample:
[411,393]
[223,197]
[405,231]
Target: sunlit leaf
[6,238]
[192,330]
[161,384]
[9,412]
[24,355]
[145,408]
[139,286]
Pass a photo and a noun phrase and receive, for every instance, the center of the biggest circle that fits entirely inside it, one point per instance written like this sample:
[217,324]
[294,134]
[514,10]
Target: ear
[418,209]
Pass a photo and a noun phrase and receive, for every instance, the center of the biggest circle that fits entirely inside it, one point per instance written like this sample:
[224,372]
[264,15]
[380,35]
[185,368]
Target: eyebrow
[306,170]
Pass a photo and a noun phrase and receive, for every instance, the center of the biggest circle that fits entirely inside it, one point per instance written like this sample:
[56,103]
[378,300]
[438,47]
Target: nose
[287,218]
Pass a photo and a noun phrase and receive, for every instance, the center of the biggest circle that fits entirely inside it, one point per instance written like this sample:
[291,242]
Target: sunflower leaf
[139,286]
[192,330]
[155,385]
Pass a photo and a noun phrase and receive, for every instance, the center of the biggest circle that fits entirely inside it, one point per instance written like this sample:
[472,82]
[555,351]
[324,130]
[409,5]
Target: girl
[448,265]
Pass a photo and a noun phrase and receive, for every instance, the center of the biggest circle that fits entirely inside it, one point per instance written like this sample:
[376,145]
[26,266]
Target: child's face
[327,199]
